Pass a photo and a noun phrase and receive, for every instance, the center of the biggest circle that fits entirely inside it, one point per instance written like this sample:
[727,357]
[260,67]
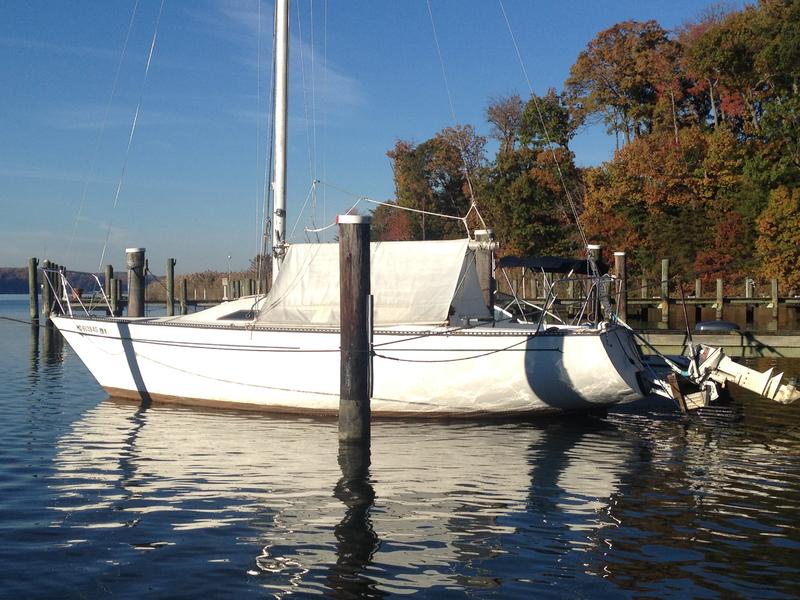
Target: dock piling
[485,265]
[664,323]
[33,289]
[620,269]
[184,302]
[354,289]
[170,300]
[135,261]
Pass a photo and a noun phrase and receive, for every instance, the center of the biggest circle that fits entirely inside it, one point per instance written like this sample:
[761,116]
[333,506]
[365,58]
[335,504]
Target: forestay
[414,283]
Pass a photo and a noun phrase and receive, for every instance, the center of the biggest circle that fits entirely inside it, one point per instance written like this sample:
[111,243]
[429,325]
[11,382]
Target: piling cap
[133,250]
[353,219]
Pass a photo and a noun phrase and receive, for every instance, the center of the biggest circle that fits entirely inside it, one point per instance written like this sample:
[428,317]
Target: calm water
[100,498]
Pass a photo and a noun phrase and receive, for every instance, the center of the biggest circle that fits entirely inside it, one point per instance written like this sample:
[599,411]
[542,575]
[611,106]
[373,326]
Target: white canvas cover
[412,283]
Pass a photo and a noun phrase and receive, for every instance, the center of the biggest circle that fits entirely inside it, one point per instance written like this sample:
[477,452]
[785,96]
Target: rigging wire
[101,133]
[461,147]
[133,130]
[308,119]
[561,177]
[360,199]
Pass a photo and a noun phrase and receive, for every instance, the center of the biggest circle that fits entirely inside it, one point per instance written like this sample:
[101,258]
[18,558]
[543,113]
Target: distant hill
[15,280]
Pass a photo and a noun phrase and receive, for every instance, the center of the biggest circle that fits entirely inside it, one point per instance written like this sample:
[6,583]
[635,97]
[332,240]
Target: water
[107,498]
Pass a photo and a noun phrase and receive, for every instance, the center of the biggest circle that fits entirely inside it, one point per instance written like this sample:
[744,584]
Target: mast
[281,85]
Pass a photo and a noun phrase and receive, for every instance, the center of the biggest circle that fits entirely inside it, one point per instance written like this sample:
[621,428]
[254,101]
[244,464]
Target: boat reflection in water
[235,502]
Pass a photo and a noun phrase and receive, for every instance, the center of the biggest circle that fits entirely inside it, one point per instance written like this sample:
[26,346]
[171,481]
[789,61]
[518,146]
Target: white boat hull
[479,371]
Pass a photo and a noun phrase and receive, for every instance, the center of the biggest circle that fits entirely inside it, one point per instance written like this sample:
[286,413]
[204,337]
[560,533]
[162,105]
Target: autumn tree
[779,241]
[436,176]
[523,195]
[617,77]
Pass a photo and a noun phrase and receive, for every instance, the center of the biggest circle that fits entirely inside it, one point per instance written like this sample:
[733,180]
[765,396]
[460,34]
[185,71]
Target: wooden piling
[113,296]
[773,324]
[720,300]
[644,316]
[135,260]
[484,264]
[170,300]
[620,269]
[698,293]
[109,275]
[749,288]
[595,253]
[184,303]
[664,293]
[33,289]
[354,289]
[47,291]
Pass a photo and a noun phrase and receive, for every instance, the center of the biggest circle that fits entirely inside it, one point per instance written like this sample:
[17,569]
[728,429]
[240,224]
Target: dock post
[664,324]
[109,275]
[354,289]
[33,289]
[55,270]
[720,300]
[595,253]
[620,269]
[184,303]
[170,287]
[135,260]
[749,286]
[698,293]
[113,296]
[47,291]
[484,264]
[645,310]
[773,324]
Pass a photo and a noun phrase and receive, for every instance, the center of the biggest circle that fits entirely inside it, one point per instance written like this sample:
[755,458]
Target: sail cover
[412,283]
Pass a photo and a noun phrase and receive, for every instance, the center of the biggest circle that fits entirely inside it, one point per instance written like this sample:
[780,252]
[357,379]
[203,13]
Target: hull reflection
[279,501]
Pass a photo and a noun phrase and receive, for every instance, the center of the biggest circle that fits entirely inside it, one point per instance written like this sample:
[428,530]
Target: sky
[78,188]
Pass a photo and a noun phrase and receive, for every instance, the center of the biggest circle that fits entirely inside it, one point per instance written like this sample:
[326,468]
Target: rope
[133,130]
[546,132]
[101,133]
[24,322]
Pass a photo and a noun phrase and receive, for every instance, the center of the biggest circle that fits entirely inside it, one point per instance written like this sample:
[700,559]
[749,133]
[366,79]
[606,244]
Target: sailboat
[437,350]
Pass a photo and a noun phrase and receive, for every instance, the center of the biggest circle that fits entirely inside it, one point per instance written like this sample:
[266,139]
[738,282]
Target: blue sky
[193,177]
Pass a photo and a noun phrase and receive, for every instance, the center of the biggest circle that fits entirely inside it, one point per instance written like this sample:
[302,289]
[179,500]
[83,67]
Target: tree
[435,177]
[778,243]
[523,195]
[614,78]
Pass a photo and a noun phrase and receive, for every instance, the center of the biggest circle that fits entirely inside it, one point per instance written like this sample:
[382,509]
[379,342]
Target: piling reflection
[52,345]
[33,357]
[356,540]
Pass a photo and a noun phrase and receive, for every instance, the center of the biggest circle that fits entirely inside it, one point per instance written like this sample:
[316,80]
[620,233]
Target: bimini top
[550,264]
[413,283]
